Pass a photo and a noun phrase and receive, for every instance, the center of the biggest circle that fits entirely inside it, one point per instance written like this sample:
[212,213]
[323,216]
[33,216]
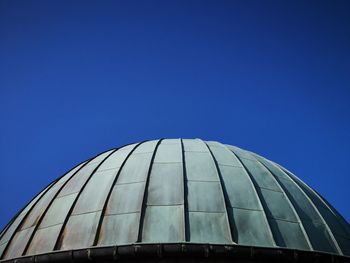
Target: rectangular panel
[276,171]
[37,211]
[194,146]
[224,156]
[74,185]
[300,202]
[126,226]
[146,147]
[168,153]
[171,141]
[2,248]
[261,175]
[18,243]
[58,210]
[44,240]
[205,197]
[344,244]
[126,198]
[100,157]
[209,228]
[288,234]
[277,206]
[94,195]
[12,228]
[200,167]
[135,169]
[80,231]
[240,190]
[319,236]
[115,160]
[166,184]
[250,228]
[70,173]
[242,154]
[163,224]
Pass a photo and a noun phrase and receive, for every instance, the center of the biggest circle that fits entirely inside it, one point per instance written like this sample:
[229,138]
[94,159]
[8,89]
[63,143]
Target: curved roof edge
[165,252]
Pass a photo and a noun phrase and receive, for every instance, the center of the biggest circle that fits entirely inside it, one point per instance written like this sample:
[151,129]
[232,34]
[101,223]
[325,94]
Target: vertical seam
[259,197]
[223,194]
[58,240]
[34,205]
[99,225]
[289,202]
[185,189]
[145,194]
[335,242]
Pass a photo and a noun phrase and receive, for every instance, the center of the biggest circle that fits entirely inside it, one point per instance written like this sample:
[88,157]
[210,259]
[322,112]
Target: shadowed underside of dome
[176,191]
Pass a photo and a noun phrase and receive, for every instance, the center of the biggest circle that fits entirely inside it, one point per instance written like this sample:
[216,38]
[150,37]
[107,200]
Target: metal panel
[44,240]
[135,168]
[313,223]
[99,158]
[205,197]
[288,234]
[240,190]
[146,147]
[335,222]
[95,192]
[319,236]
[261,175]
[115,160]
[344,243]
[58,210]
[209,228]
[274,170]
[119,229]
[277,205]
[11,229]
[71,172]
[168,153]
[18,243]
[242,154]
[2,248]
[200,167]
[74,185]
[171,141]
[35,214]
[166,184]
[80,231]
[125,198]
[251,228]
[163,224]
[301,203]
[194,146]
[308,192]
[223,156]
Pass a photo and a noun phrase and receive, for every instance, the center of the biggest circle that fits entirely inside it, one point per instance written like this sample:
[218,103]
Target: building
[177,200]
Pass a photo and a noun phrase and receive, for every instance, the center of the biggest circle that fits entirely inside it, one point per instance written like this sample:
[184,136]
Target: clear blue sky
[80,77]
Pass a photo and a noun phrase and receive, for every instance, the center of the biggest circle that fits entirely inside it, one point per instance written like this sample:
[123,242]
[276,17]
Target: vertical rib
[290,203]
[53,199]
[97,235]
[224,195]
[57,243]
[335,242]
[186,220]
[41,216]
[145,193]
[259,197]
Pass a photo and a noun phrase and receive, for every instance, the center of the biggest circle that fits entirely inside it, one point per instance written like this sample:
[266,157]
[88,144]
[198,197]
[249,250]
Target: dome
[176,196]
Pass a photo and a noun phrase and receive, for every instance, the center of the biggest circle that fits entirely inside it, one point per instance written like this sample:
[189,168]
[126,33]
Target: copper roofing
[176,191]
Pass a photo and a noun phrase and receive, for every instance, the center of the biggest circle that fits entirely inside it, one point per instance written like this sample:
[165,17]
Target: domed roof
[176,191]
